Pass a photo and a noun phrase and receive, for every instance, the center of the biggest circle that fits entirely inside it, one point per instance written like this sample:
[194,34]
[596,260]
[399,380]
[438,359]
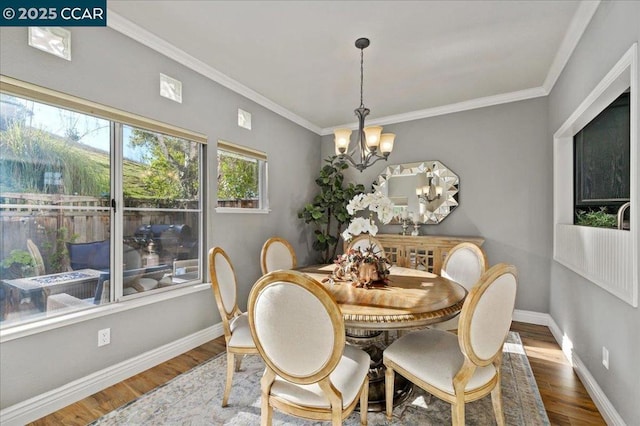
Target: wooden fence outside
[67,218]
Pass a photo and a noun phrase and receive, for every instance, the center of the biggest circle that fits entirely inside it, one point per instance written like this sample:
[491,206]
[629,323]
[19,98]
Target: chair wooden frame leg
[238,364]
[231,361]
[266,410]
[389,377]
[457,411]
[496,401]
[364,401]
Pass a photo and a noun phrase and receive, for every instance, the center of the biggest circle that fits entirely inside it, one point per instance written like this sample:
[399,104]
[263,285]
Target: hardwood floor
[565,398]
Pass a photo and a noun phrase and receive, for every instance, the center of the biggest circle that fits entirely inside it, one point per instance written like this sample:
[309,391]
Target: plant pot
[367,273]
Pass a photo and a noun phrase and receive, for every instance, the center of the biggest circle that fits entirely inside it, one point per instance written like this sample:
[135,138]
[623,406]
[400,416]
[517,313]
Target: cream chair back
[298,330]
[223,278]
[464,264]
[463,368]
[235,323]
[364,242]
[301,341]
[487,314]
[276,254]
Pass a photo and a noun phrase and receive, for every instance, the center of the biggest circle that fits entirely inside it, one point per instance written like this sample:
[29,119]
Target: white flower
[376,203]
[358,225]
[356,204]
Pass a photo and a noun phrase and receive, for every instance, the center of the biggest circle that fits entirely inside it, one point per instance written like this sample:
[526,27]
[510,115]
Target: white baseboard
[531,317]
[607,410]
[48,402]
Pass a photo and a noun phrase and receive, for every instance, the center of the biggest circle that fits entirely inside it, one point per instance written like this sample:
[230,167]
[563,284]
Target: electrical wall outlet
[104,337]
[605,357]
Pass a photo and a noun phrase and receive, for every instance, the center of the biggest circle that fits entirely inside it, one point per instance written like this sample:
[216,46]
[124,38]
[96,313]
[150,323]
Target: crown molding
[576,28]
[131,30]
[503,98]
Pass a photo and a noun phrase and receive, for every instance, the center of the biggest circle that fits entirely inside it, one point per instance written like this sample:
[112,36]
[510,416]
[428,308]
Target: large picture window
[94,208]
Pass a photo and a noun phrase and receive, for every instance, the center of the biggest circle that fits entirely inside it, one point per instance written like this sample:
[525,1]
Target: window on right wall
[606,257]
[602,168]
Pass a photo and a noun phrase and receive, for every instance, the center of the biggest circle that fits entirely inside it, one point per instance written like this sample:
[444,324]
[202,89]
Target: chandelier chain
[361,76]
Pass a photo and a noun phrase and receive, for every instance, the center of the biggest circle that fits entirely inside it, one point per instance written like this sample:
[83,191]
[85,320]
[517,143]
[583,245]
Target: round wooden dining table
[408,299]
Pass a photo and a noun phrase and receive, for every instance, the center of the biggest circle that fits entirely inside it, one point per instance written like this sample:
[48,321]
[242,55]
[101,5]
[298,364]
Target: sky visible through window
[85,129]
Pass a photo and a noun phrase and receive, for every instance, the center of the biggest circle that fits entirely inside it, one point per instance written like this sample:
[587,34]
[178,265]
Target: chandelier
[374,145]
[429,188]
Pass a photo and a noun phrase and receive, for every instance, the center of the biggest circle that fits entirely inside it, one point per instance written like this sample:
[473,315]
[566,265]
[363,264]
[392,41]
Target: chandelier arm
[377,157]
[349,159]
[361,113]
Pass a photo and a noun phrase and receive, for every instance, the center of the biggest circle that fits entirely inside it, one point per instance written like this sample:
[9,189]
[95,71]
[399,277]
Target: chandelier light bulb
[372,135]
[386,143]
[342,139]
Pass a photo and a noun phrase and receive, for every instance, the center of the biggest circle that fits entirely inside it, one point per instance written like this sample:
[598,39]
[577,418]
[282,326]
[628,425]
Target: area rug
[193,398]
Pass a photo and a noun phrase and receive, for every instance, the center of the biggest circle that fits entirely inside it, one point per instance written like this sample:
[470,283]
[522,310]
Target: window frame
[263,166]
[606,257]
[117,119]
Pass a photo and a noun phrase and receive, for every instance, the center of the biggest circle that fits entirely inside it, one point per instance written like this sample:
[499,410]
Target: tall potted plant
[328,211]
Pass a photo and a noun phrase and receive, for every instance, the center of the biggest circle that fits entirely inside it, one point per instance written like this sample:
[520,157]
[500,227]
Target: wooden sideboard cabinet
[425,252]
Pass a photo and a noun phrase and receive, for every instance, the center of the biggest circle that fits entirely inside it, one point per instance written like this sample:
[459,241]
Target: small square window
[170,88]
[54,40]
[244,119]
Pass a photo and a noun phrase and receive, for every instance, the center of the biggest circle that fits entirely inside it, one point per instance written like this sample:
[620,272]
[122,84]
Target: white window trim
[241,210]
[607,257]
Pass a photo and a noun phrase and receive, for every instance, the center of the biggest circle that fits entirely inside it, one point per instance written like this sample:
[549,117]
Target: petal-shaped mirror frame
[431,212]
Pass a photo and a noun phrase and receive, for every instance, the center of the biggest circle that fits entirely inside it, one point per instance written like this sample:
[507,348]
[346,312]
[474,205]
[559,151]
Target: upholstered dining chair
[465,263]
[310,372]
[235,323]
[463,368]
[276,254]
[363,242]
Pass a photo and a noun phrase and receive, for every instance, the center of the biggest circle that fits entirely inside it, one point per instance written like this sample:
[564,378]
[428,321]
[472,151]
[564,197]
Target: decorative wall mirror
[424,192]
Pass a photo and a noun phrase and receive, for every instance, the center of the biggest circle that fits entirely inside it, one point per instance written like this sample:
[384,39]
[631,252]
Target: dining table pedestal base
[374,342]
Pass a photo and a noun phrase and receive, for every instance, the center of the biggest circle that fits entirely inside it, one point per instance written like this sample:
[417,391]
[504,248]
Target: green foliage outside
[599,218]
[328,211]
[29,153]
[55,255]
[237,177]
[18,264]
[170,170]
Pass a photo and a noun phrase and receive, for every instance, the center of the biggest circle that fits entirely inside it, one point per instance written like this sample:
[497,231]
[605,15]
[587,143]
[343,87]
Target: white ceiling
[425,58]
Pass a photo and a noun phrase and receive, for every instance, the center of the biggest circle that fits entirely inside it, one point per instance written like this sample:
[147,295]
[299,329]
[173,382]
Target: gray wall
[112,69]
[589,316]
[505,167]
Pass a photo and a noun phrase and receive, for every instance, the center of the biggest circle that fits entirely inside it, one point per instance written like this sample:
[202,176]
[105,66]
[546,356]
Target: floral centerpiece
[364,267]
